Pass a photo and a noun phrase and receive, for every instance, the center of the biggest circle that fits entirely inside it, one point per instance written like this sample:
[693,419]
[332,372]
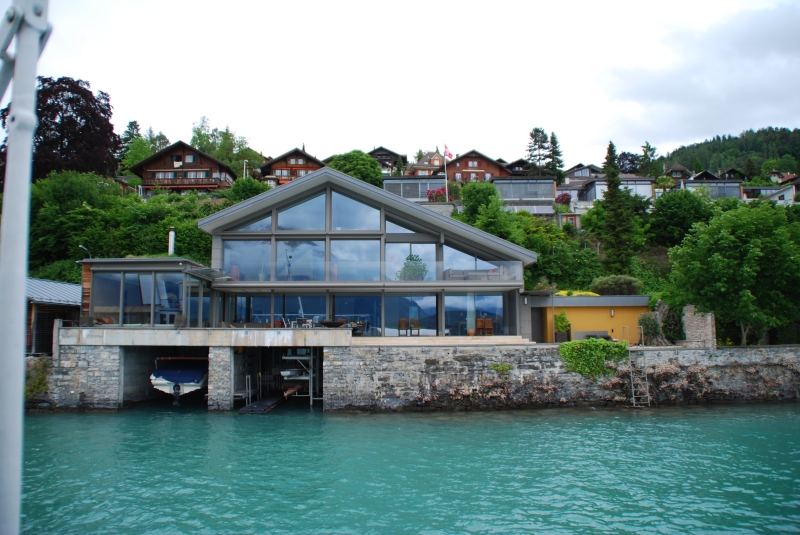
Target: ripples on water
[164,470]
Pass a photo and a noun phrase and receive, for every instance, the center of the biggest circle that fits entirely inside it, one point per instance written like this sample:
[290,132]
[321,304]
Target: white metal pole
[14,256]
[446,188]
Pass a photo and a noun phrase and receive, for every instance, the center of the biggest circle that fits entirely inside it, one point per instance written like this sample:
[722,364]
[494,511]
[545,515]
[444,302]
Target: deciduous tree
[744,266]
[628,162]
[360,165]
[74,132]
[673,215]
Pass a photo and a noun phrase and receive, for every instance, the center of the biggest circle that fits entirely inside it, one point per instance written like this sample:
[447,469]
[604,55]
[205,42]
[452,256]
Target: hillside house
[473,166]
[290,166]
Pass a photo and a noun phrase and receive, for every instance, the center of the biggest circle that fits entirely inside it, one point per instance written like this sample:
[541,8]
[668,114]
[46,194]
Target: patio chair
[402,325]
[488,327]
[414,326]
[478,326]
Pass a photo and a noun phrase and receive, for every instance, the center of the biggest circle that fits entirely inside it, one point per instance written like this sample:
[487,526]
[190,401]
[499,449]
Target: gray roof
[52,292]
[240,212]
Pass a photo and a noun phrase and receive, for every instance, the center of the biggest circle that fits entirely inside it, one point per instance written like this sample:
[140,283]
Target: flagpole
[446,189]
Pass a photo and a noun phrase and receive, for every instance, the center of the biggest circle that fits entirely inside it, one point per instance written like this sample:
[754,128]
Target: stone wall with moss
[473,378]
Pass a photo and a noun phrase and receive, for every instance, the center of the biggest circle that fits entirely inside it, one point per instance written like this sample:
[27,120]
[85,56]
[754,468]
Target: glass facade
[289,307]
[169,298]
[300,260]
[411,261]
[411,314]
[199,303]
[363,312]
[354,260]
[105,297]
[394,228]
[137,298]
[262,225]
[349,214]
[305,215]
[247,260]
[467,312]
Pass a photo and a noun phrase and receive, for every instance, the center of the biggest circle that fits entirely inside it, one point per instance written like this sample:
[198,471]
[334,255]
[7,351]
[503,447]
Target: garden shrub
[617,285]
[588,357]
[562,323]
[650,325]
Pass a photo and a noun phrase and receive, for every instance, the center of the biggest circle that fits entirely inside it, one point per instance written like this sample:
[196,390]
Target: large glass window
[458,265]
[105,297]
[169,298]
[199,303]
[473,313]
[411,315]
[262,224]
[248,260]
[394,228]
[137,295]
[292,306]
[349,214]
[255,309]
[355,260]
[363,312]
[305,215]
[300,260]
[411,261]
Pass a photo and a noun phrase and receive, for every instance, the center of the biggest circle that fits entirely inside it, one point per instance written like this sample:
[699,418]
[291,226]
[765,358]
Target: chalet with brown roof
[732,174]
[517,167]
[473,166]
[294,164]
[678,172]
[181,168]
[388,159]
[582,172]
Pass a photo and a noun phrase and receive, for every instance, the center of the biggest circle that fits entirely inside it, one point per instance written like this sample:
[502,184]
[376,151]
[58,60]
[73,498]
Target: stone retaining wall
[220,378]
[386,379]
[86,376]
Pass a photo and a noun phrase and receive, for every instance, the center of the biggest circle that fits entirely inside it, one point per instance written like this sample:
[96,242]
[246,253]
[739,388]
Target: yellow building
[613,316]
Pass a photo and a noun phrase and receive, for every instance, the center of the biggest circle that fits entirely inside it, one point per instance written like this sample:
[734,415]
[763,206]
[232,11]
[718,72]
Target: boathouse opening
[150,372]
[277,374]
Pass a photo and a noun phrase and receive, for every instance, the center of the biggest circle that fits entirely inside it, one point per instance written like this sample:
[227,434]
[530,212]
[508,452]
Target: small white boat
[177,381]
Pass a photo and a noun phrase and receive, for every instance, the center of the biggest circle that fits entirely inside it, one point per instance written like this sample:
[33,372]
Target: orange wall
[598,319]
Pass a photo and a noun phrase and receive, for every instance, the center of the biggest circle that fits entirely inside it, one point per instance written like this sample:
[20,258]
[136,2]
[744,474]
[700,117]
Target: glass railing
[412,271]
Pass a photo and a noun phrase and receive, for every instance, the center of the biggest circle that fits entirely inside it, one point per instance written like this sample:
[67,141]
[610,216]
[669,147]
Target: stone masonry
[86,376]
[700,329]
[220,378]
[436,378]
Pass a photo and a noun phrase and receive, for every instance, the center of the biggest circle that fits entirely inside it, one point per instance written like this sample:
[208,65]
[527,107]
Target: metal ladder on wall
[640,386]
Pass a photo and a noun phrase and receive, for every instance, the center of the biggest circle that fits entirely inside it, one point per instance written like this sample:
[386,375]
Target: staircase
[640,388]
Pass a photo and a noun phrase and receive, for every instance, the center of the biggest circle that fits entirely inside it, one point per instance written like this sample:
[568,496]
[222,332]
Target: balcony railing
[180,182]
[414,272]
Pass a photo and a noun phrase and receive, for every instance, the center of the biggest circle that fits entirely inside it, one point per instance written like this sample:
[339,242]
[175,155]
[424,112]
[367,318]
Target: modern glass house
[325,248]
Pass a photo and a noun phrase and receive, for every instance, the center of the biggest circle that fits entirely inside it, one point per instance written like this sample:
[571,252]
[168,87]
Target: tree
[628,162]
[664,183]
[673,215]
[399,167]
[538,147]
[618,229]
[360,165]
[138,150]
[744,266]
[132,131]
[74,132]
[698,166]
[224,145]
[158,142]
[475,195]
[244,188]
[648,161]
[554,164]
[750,170]
[420,155]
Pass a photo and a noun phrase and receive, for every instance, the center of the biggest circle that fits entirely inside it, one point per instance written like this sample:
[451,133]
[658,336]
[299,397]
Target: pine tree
[698,166]
[618,227]
[648,164]
[750,170]
[399,166]
[538,147]
[554,165]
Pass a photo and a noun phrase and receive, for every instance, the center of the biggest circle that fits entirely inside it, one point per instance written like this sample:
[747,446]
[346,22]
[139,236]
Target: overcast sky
[412,75]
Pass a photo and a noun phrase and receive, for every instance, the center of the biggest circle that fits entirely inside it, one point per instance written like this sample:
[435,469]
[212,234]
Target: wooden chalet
[296,163]
[387,159]
[678,172]
[473,166]
[180,168]
[517,167]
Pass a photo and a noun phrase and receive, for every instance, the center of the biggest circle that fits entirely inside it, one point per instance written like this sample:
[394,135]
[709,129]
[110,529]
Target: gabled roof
[733,172]
[393,153]
[315,180]
[52,292]
[522,162]
[138,169]
[677,167]
[471,154]
[593,168]
[705,175]
[268,165]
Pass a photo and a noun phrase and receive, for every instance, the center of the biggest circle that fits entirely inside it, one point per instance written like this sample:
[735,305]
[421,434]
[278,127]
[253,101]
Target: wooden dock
[263,405]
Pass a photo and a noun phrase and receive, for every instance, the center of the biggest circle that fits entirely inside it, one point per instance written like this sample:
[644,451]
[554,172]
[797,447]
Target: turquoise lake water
[156,469]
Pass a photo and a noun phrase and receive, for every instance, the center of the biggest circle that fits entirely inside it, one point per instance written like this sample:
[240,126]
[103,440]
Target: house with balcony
[472,166]
[181,168]
[427,165]
[717,187]
[678,172]
[593,189]
[413,188]
[388,160]
[290,166]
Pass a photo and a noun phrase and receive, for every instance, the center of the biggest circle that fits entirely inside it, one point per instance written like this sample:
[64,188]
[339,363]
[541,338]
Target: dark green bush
[617,285]
[589,357]
[650,326]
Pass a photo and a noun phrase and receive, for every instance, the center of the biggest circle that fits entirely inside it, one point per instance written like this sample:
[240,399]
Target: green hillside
[724,152]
